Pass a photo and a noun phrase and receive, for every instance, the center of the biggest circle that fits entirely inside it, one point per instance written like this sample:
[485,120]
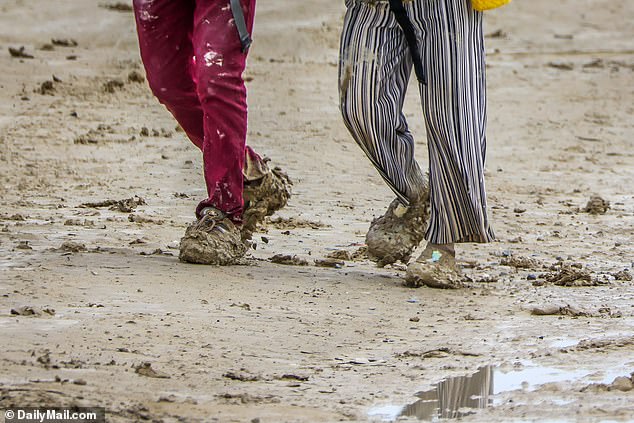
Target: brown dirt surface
[560,113]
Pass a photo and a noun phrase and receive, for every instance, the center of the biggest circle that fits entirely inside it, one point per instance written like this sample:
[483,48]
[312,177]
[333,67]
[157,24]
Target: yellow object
[482,5]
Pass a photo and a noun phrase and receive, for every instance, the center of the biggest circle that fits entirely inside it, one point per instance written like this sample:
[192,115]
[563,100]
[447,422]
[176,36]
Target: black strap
[410,36]
[241,25]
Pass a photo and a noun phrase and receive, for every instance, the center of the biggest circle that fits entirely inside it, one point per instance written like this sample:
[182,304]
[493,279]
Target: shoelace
[212,218]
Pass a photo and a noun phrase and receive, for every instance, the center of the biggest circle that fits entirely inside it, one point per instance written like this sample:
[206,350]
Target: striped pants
[374,70]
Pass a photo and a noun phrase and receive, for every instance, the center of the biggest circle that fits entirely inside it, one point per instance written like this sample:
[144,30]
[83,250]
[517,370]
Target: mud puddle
[456,397]
[564,343]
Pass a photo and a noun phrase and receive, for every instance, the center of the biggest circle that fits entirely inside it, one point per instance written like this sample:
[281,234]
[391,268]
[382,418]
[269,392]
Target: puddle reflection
[454,397]
[457,397]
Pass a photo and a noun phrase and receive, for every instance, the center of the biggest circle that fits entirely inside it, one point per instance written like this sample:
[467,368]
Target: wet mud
[87,175]
[394,236]
[263,197]
[211,244]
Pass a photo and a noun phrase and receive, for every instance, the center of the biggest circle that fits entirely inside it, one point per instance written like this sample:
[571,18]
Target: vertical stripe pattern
[374,71]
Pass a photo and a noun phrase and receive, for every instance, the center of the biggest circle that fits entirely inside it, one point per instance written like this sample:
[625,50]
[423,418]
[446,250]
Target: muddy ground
[551,303]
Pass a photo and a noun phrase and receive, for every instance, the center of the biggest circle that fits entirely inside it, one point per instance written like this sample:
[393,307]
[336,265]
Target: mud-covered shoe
[213,239]
[435,268]
[398,232]
[263,197]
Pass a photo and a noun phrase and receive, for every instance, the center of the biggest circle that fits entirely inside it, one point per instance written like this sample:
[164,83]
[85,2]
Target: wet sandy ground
[550,305]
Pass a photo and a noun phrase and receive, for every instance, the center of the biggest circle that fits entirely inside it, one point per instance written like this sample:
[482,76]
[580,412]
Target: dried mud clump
[20,53]
[603,344]
[243,398]
[360,254]
[32,311]
[520,262]
[135,76]
[561,66]
[145,369]
[127,205]
[117,7]
[47,88]
[621,383]
[64,42]
[113,85]
[23,245]
[137,218]
[623,275]
[288,260]
[340,255]
[242,376]
[597,205]
[556,310]
[72,247]
[574,311]
[568,275]
[330,262]
[280,222]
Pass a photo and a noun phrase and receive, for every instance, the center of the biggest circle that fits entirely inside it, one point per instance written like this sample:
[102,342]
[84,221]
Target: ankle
[448,248]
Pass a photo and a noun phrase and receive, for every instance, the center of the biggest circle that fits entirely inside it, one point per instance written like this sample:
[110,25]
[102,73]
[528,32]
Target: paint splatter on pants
[375,67]
[194,64]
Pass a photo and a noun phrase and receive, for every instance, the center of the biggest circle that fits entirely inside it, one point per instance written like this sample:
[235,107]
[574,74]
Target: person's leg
[165,39]
[454,102]
[374,70]
[165,28]
[219,65]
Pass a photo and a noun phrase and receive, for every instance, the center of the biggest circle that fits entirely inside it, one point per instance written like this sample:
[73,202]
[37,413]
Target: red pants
[194,63]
